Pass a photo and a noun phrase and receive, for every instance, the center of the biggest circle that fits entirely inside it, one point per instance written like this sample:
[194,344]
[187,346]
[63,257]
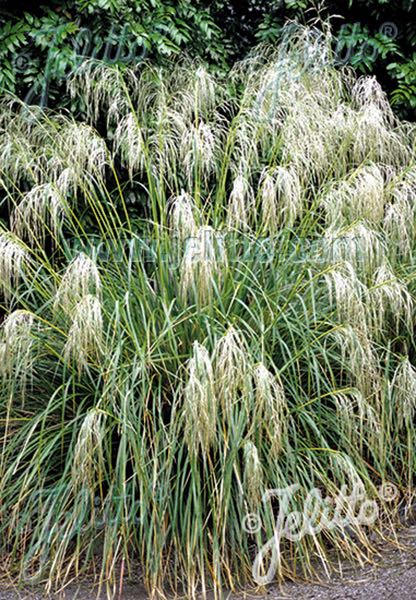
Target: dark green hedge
[41,45]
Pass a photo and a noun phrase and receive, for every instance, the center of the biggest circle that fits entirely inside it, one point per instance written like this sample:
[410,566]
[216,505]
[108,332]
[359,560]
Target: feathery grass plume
[38,213]
[16,157]
[68,181]
[404,386]
[182,216]
[207,91]
[372,132]
[357,244]
[203,261]
[270,217]
[165,141]
[399,220]
[313,128]
[82,149]
[198,151]
[281,195]
[308,139]
[273,80]
[348,294]
[334,203]
[88,455]
[200,404]
[360,197]
[289,192]
[271,404]
[253,474]
[3,359]
[367,91]
[367,195]
[85,337]
[130,144]
[357,419]
[389,296]
[81,279]
[18,338]
[358,357]
[22,152]
[232,376]
[41,148]
[102,88]
[240,206]
[193,90]
[13,260]
[245,152]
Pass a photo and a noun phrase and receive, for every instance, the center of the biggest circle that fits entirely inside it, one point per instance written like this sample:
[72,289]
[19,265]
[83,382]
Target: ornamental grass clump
[211,298]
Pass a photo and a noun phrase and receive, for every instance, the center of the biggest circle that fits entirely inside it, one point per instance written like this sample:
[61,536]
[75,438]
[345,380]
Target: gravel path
[393,577]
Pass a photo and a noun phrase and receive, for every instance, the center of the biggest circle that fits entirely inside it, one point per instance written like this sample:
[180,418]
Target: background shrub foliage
[37,43]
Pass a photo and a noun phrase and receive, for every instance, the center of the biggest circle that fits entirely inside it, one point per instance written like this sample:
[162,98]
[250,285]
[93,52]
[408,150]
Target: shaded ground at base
[392,577]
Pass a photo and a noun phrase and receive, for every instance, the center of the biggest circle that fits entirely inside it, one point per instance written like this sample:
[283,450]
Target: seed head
[404,386]
[13,260]
[203,262]
[272,405]
[200,401]
[80,279]
[253,473]
[85,337]
[231,367]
